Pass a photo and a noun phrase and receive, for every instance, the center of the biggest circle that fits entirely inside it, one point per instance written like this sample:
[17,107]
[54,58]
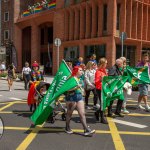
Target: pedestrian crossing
[113,129]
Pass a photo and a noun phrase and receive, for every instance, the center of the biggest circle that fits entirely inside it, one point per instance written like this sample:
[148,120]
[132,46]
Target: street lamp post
[57,44]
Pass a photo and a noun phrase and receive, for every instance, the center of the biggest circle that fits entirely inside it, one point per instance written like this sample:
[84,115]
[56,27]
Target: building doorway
[46,41]
[26,45]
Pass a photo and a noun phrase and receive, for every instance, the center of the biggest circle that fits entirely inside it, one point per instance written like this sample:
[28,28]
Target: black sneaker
[69,131]
[104,121]
[89,132]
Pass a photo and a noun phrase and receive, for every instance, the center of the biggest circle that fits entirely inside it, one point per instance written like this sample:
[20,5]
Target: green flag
[138,75]
[112,88]
[60,84]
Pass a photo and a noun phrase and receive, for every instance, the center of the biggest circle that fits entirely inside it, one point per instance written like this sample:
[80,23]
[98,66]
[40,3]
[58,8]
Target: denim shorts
[75,97]
[143,89]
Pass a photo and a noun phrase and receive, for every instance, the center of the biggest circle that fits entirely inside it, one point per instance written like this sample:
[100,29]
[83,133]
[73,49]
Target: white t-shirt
[3,67]
[26,70]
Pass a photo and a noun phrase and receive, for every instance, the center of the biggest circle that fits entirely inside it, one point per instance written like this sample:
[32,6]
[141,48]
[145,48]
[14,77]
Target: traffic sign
[57,42]
[123,36]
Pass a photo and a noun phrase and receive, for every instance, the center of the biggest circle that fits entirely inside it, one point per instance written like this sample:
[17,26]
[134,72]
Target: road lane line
[115,135]
[22,101]
[13,98]
[29,138]
[8,105]
[77,130]
[137,114]
[17,128]
[136,101]
[74,113]
[129,123]
[2,103]
[15,112]
[134,133]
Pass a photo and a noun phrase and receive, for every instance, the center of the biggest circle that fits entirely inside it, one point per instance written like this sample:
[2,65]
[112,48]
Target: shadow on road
[23,113]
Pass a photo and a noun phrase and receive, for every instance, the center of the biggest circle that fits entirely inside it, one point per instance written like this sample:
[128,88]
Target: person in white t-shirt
[2,66]
[26,75]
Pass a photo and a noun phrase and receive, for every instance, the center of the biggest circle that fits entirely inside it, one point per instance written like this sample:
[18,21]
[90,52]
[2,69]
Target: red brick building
[84,27]
[6,25]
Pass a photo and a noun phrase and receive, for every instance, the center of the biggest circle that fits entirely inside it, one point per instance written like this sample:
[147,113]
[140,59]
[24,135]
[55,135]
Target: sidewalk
[48,79]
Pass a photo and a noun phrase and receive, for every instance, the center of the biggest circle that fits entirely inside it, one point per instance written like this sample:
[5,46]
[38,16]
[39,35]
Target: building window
[105,17]
[77,1]
[128,52]
[146,50]
[118,16]
[6,16]
[99,50]
[71,53]
[6,34]
[6,0]
[67,3]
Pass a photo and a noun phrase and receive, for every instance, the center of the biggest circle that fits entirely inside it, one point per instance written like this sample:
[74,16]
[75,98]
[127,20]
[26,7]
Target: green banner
[112,88]
[60,84]
[138,75]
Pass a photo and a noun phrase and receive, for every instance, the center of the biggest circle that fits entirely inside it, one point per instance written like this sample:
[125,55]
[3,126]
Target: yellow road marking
[115,135]
[3,103]
[135,101]
[136,114]
[132,101]
[29,138]
[19,101]
[74,113]
[14,112]
[134,133]
[24,102]
[17,128]
[8,105]
[77,130]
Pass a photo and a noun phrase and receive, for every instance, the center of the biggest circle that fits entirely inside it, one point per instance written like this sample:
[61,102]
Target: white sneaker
[147,107]
[69,131]
[140,107]
[125,111]
[87,107]
[89,132]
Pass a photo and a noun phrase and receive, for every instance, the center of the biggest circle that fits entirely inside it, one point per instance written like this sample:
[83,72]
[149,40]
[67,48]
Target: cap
[35,64]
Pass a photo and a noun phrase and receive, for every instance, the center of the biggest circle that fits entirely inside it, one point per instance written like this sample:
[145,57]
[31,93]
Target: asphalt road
[20,134]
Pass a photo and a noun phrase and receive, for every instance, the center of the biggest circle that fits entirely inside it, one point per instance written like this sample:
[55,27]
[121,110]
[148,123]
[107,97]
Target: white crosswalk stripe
[129,123]
[13,98]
